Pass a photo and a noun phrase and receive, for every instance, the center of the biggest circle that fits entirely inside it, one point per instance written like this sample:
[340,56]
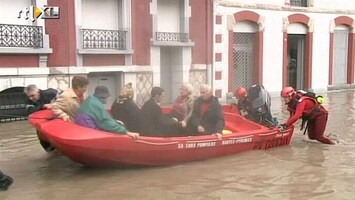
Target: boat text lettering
[274,142]
[193,145]
[237,141]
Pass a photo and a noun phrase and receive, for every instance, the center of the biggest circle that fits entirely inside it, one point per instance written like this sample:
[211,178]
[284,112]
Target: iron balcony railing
[301,3]
[12,35]
[104,39]
[171,37]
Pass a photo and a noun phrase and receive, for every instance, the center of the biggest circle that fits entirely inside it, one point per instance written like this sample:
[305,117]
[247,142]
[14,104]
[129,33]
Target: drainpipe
[209,20]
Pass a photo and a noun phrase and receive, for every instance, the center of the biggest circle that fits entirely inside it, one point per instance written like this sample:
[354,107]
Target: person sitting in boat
[126,110]
[154,122]
[93,114]
[39,99]
[68,102]
[182,107]
[254,103]
[207,116]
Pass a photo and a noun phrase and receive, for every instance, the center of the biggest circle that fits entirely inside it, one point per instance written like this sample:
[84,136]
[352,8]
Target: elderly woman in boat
[93,114]
[182,107]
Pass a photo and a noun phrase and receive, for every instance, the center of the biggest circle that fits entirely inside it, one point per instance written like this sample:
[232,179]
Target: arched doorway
[296,37]
[297,59]
[245,52]
[341,52]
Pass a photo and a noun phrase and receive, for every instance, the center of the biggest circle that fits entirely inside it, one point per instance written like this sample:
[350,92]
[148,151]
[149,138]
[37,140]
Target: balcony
[12,35]
[97,41]
[172,39]
[299,3]
[104,39]
[23,39]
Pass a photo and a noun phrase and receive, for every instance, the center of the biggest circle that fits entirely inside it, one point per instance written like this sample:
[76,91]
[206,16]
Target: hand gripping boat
[98,148]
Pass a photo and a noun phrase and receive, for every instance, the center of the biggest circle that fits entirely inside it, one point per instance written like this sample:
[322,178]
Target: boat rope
[238,138]
[153,143]
[214,140]
[21,116]
[266,134]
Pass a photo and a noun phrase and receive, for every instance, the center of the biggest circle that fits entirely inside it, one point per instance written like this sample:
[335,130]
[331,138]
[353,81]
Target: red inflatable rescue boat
[99,148]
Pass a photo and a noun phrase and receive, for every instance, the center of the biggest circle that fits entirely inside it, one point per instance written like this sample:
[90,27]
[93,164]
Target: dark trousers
[5,181]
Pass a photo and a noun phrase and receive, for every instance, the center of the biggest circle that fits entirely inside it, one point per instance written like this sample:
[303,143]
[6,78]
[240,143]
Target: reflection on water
[303,170]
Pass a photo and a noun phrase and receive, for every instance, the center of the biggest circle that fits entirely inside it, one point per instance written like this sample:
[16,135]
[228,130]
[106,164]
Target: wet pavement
[303,170]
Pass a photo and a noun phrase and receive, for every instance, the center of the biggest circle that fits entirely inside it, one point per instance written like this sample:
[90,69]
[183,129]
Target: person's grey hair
[31,88]
[188,87]
[206,86]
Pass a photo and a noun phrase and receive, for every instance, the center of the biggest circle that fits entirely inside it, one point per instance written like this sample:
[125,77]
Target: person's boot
[5,182]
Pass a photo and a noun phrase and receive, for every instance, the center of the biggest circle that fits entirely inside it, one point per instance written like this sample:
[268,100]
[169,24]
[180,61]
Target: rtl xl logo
[47,12]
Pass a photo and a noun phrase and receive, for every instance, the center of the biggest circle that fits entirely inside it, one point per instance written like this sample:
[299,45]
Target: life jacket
[299,97]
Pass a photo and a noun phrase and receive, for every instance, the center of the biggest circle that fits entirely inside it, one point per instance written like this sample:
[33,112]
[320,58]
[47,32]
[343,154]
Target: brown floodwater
[303,170]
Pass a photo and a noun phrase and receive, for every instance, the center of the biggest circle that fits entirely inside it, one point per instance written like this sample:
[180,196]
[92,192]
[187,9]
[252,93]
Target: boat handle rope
[266,134]
[193,141]
[237,138]
[171,143]
[29,117]
[153,143]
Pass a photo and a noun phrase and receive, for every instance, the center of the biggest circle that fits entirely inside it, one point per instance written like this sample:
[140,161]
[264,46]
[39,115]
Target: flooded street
[303,170]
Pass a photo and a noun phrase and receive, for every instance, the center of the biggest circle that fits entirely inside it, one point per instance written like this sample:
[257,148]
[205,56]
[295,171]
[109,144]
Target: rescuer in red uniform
[310,110]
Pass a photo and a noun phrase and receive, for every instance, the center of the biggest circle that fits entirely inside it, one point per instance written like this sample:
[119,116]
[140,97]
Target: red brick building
[112,42]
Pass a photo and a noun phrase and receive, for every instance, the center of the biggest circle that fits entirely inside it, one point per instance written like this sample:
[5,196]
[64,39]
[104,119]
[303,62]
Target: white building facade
[301,43]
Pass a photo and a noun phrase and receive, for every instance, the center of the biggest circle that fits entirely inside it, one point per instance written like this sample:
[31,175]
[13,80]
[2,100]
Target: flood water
[302,170]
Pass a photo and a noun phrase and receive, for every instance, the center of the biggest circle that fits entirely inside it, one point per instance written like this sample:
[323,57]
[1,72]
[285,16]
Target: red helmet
[287,92]
[241,92]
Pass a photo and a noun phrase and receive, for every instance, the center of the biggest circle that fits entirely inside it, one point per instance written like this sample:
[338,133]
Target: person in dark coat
[154,122]
[39,99]
[5,181]
[207,115]
[126,110]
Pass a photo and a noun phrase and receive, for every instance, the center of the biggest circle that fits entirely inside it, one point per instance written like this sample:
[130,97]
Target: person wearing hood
[92,114]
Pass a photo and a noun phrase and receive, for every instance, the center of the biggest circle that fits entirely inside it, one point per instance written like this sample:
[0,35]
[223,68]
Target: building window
[300,3]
